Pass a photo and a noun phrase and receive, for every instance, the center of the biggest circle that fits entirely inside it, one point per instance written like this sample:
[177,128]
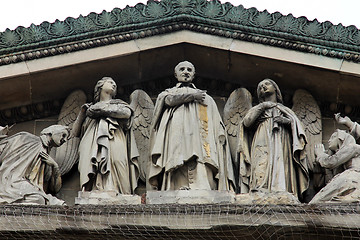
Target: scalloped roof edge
[159,17]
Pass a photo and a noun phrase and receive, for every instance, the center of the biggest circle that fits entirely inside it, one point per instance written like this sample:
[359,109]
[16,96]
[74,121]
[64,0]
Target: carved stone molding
[30,112]
[210,221]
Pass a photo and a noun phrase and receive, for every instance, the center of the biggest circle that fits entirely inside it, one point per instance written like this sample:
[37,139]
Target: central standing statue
[189,148]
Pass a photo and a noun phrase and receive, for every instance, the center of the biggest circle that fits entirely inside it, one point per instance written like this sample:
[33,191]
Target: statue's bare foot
[184,188]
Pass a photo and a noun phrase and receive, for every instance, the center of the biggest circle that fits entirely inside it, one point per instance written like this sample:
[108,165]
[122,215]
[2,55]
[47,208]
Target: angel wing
[67,154]
[143,108]
[237,105]
[307,110]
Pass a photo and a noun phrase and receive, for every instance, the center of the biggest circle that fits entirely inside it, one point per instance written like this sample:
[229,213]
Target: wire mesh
[211,221]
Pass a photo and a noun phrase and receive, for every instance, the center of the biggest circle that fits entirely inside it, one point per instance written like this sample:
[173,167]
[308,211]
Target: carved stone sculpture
[353,127]
[354,130]
[309,114]
[4,131]
[27,171]
[345,186]
[268,141]
[67,154]
[108,153]
[189,147]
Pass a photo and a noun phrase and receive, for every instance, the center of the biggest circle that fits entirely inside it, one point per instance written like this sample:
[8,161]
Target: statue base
[266,198]
[189,197]
[97,197]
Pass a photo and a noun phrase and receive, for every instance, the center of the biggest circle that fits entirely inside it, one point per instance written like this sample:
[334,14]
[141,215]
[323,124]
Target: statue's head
[340,138]
[4,131]
[105,84]
[185,72]
[267,87]
[55,135]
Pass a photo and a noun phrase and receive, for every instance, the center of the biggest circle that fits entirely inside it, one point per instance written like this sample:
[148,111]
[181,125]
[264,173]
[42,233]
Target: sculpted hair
[277,89]
[98,87]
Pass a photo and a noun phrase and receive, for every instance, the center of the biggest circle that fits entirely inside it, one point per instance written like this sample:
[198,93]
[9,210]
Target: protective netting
[223,221]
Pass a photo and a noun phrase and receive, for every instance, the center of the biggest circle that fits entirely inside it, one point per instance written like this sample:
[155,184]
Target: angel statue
[189,147]
[343,151]
[27,172]
[113,137]
[268,141]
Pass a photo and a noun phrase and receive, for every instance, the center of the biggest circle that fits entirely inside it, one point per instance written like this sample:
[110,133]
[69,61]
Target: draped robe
[275,160]
[345,186]
[108,154]
[24,176]
[189,148]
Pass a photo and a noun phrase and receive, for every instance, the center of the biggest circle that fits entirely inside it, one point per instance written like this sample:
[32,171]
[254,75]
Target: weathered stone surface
[27,171]
[211,221]
[97,197]
[189,197]
[266,198]
[106,145]
[343,156]
[273,157]
[189,147]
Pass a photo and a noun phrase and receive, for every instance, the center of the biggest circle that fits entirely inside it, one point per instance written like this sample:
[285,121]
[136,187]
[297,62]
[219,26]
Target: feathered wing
[67,154]
[307,110]
[143,108]
[237,105]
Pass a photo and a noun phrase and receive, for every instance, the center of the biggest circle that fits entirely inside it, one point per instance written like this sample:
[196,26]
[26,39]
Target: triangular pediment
[139,46]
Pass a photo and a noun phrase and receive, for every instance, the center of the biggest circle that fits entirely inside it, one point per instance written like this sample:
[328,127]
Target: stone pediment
[139,46]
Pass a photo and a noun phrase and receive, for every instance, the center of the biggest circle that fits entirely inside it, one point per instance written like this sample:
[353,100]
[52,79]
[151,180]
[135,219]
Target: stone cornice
[30,112]
[209,17]
[210,221]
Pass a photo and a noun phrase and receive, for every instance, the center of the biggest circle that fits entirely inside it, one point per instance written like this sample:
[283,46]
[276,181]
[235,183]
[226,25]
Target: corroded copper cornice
[159,17]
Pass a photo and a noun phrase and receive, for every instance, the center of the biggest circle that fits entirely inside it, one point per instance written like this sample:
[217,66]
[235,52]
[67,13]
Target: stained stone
[266,198]
[190,197]
[97,197]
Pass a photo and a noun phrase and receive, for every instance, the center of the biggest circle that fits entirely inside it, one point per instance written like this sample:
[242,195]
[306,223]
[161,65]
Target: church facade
[138,47]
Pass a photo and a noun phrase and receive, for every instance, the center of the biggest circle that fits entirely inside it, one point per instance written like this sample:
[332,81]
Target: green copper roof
[158,17]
